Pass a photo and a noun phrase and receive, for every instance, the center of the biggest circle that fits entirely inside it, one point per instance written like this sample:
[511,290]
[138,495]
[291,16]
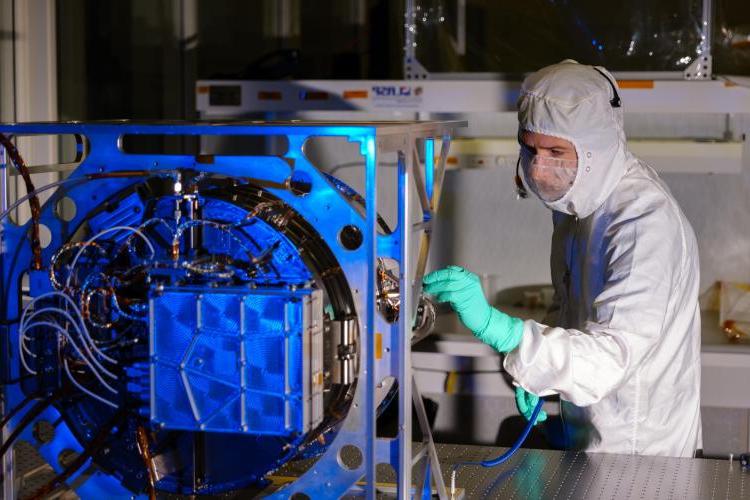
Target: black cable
[12,413]
[615,101]
[27,419]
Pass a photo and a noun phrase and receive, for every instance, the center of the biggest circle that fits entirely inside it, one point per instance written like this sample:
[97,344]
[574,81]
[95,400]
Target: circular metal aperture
[300,183]
[45,236]
[44,431]
[66,209]
[350,457]
[350,237]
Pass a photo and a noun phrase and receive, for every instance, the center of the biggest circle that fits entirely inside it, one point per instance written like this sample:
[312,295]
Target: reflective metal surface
[551,474]
[558,474]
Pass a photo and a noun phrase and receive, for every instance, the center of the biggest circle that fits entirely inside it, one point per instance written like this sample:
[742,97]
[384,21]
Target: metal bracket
[413,70]
[432,456]
[699,69]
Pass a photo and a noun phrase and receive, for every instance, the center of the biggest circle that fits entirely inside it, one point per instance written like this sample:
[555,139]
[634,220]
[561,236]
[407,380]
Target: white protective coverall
[622,348]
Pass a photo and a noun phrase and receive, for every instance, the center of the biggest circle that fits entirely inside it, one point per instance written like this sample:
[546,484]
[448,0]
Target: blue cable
[505,456]
[426,487]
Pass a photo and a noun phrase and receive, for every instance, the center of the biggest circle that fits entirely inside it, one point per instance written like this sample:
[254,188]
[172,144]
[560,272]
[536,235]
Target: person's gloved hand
[526,402]
[463,291]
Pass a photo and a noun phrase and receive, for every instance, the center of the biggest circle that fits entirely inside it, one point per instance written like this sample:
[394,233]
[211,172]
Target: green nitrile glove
[463,291]
[526,402]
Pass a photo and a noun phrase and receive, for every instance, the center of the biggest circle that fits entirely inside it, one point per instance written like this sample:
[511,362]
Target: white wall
[483,227]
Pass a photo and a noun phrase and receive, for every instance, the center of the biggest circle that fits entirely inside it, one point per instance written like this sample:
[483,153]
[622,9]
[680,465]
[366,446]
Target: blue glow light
[429,165]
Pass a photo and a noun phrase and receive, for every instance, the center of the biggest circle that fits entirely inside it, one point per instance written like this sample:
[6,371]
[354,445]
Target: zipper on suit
[569,258]
[570,245]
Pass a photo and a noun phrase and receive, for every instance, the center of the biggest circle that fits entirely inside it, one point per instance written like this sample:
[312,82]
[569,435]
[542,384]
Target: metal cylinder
[344,367]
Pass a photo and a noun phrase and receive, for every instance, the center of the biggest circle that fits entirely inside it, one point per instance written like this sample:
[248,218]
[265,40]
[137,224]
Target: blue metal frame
[324,207]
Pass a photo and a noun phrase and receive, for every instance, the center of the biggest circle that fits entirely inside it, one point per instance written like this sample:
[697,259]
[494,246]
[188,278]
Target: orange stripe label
[635,84]
[355,94]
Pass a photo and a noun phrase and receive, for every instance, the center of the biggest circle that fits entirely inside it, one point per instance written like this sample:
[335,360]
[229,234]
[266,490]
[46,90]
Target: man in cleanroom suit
[622,344]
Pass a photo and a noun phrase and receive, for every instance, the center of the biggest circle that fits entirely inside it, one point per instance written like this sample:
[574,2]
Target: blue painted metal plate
[228,360]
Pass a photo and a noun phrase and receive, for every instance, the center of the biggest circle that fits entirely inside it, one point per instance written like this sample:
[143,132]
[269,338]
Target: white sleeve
[639,260]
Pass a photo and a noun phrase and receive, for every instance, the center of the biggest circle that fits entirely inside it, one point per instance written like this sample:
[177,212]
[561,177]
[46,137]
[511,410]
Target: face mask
[549,178]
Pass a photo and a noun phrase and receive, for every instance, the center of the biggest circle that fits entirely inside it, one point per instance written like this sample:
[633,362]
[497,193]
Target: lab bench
[542,474]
